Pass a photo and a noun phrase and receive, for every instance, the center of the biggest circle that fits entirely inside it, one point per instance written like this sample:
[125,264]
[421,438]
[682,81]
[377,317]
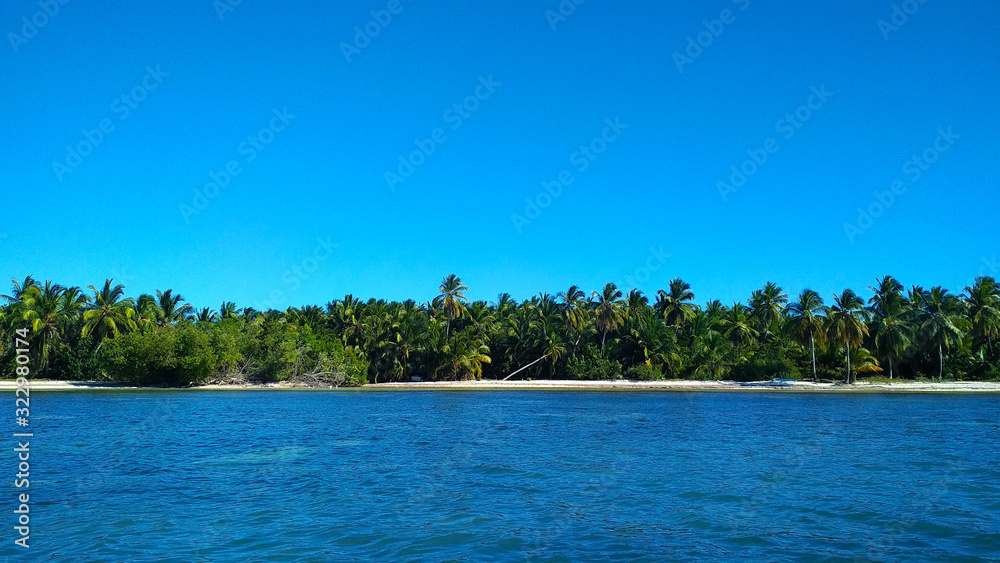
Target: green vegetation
[162,340]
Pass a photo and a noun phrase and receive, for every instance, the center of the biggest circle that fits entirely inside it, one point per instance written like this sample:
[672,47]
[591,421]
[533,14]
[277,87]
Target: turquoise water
[538,476]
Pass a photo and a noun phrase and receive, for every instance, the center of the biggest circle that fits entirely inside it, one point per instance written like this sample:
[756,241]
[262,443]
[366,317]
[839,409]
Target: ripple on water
[537,476]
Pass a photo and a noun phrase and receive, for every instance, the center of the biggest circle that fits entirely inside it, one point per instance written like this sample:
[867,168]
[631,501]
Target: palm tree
[676,306]
[19,289]
[983,306]
[72,304]
[890,311]
[767,305]
[453,299]
[636,306]
[110,312]
[464,357]
[554,349]
[846,324]
[146,313]
[228,310]
[608,311]
[42,308]
[891,326]
[886,289]
[206,315]
[658,344]
[169,309]
[737,324]
[576,313]
[807,322]
[942,322]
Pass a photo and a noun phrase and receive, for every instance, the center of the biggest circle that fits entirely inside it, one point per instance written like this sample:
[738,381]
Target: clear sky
[310,116]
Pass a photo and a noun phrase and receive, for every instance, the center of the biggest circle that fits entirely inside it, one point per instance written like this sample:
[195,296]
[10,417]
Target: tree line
[100,334]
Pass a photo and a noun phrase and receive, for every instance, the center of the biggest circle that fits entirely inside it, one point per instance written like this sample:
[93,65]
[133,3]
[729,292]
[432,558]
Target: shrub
[589,368]
[764,370]
[643,372]
[174,355]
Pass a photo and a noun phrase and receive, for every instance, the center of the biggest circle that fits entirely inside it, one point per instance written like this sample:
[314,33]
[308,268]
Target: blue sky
[203,92]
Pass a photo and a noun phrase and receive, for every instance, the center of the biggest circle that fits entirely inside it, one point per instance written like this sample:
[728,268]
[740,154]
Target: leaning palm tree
[110,312]
[943,324]
[608,311]
[453,299]
[846,325]
[169,308]
[806,322]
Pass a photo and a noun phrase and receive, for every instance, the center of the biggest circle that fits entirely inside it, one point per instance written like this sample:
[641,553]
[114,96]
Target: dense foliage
[161,340]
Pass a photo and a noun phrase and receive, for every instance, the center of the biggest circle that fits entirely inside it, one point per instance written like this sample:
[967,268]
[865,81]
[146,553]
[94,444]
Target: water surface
[522,475]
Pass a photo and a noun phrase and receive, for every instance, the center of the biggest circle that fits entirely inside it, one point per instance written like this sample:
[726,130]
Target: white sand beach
[621,385]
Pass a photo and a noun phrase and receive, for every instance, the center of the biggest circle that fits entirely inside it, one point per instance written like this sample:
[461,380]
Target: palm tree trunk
[812,346]
[940,363]
[603,336]
[848,350]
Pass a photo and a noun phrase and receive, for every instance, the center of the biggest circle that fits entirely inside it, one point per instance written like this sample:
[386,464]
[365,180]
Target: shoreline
[973,387]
